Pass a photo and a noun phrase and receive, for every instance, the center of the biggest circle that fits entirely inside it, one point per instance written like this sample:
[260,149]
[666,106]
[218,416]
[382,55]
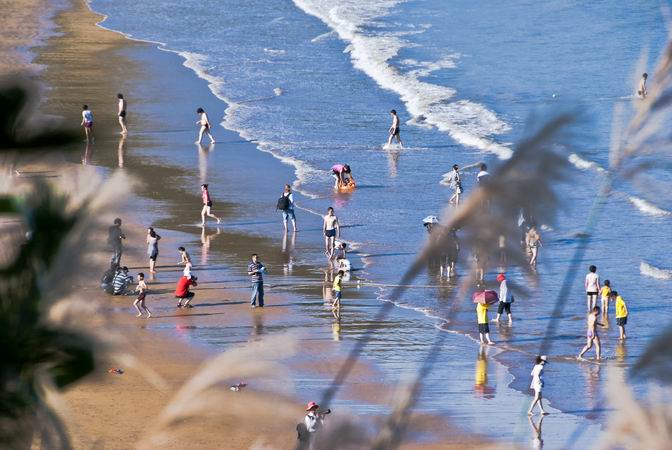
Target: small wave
[654,272]
[582,164]
[323,36]
[274,51]
[278,91]
[648,208]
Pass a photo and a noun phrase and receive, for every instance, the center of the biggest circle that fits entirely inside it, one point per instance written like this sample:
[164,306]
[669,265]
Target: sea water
[312,82]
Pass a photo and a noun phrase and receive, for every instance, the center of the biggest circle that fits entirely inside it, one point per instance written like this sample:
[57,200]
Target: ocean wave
[648,270]
[274,51]
[583,164]
[468,123]
[648,208]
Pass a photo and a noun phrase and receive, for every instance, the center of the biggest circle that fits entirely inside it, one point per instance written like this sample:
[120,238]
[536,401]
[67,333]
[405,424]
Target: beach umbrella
[430,219]
[485,297]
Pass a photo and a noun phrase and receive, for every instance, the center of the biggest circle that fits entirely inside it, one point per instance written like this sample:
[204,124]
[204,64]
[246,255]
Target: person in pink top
[207,205]
[342,175]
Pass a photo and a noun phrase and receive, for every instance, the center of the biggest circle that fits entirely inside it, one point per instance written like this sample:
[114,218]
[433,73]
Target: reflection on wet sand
[120,151]
[203,156]
[288,253]
[537,441]
[86,159]
[393,153]
[481,379]
[205,240]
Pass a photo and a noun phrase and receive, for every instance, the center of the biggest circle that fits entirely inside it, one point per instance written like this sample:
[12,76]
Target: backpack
[283,203]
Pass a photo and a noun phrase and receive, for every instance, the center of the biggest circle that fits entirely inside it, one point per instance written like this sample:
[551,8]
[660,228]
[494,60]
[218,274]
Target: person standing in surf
[332,231]
[592,285]
[204,122]
[591,335]
[394,129]
[537,384]
[641,90]
[455,185]
[87,123]
[152,248]
[207,205]
[121,113]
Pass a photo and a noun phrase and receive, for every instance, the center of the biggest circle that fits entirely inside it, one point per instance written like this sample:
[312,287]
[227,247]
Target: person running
[336,287]
[121,113]
[621,313]
[505,299]
[483,175]
[152,248]
[605,296]
[343,175]
[204,122]
[394,129]
[184,256]
[533,241]
[182,291]
[455,185]
[332,231]
[592,285]
[483,328]
[115,238]
[286,205]
[256,270]
[537,384]
[139,302]
[207,205]
[641,90]
[87,123]
[592,336]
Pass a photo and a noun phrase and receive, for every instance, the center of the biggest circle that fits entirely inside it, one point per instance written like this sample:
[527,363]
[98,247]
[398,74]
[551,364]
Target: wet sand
[88,64]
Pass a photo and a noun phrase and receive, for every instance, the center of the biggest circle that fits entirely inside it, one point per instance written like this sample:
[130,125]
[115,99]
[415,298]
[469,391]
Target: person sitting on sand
[641,90]
[182,291]
[537,384]
[87,123]
[591,334]
[139,302]
[343,175]
[121,113]
[204,122]
[394,129]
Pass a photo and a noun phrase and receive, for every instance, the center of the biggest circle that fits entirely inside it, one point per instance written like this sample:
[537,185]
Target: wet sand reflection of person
[481,378]
[203,156]
[393,154]
[206,240]
[86,159]
[591,373]
[257,331]
[120,151]
[336,327]
[288,253]
[537,441]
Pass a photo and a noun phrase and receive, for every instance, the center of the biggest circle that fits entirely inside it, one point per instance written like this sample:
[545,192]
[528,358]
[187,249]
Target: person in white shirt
[455,185]
[505,299]
[483,175]
[592,285]
[538,384]
[311,424]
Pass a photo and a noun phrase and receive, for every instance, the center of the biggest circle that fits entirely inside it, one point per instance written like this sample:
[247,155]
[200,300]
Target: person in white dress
[537,384]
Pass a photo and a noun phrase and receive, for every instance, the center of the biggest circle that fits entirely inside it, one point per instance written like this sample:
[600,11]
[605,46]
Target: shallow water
[311,83]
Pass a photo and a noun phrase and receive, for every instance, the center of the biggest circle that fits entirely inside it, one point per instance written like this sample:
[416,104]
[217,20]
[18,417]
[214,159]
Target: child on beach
[621,313]
[641,90]
[184,256]
[204,122]
[605,295]
[394,129]
[455,185]
[142,293]
[121,113]
[591,334]
[207,205]
[87,123]
[592,285]
[483,328]
[336,287]
[537,384]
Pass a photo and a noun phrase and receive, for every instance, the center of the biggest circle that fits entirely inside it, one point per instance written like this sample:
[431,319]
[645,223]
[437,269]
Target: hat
[543,358]
[311,406]
[501,277]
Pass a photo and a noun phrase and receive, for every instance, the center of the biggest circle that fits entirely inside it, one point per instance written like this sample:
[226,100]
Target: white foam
[648,208]
[582,164]
[274,51]
[278,91]
[469,123]
[654,272]
[323,36]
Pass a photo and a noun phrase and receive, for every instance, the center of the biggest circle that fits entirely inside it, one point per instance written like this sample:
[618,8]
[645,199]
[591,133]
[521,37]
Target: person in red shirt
[207,205]
[182,291]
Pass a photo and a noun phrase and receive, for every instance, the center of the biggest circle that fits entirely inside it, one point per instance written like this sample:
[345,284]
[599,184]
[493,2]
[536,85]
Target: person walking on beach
[207,205]
[605,296]
[591,335]
[256,270]
[182,291]
[641,90]
[394,129]
[537,384]
[204,122]
[332,231]
[505,299]
[621,313]
[533,241]
[152,248]
[286,205]
[455,185]
[121,113]
[87,123]
[592,285]
[337,287]
[483,328]
[139,302]
[115,238]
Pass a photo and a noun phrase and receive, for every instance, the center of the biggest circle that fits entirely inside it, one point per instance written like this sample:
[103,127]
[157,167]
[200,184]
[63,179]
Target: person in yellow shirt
[621,313]
[605,295]
[336,287]
[483,328]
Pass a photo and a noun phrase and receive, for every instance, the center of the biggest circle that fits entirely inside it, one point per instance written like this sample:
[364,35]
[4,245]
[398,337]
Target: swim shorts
[504,306]
[141,296]
[88,124]
[209,204]
[287,214]
[337,294]
[591,293]
[620,321]
[483,328]
[330,233]
[122,114]
[395,132]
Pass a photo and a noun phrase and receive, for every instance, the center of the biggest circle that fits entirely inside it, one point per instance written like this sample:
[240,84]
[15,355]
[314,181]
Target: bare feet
[149,314]
[139,315]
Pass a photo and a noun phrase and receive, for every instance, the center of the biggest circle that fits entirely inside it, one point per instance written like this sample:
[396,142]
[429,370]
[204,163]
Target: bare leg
[122,122]
[203,211]
[401,144]
[152,263]
[480,335]
[135,304]
[200,134]
[487,336]
[210,214]
[294,225]
[587,347]
[142,304]
[598,348]
[389,140]
[212,139]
